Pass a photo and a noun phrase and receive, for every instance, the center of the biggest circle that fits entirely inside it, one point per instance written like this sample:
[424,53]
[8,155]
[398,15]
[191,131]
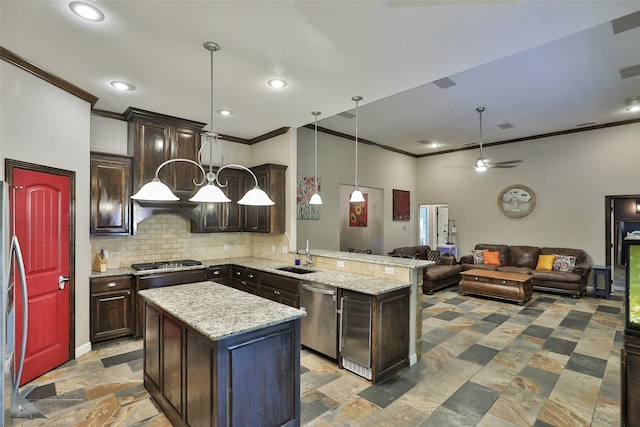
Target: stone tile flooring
[553,362]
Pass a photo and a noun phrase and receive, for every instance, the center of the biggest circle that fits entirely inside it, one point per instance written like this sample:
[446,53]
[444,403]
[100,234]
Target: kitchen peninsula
[215,355]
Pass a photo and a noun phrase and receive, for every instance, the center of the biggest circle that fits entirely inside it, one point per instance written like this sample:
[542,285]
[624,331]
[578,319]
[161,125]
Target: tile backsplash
[169,237]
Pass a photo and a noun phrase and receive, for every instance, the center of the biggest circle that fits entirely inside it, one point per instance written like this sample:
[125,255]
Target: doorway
[41,202]
[434,225]
[622,216]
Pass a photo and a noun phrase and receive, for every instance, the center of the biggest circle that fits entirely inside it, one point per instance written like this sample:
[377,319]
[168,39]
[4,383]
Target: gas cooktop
[159,265]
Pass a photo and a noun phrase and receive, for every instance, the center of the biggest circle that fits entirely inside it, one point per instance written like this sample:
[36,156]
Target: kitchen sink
[296,270]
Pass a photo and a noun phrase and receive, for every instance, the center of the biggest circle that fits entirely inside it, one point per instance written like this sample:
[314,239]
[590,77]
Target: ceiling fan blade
[502,166]
[507,162]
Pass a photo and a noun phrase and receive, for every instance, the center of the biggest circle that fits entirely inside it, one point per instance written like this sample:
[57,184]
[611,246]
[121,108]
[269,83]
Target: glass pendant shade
[356,196]
[156,191]
[256,197]
[315,199]
[210,193]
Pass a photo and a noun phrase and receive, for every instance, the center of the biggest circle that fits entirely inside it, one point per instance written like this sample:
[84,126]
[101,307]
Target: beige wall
[42,124]
[377,168]
[569,174]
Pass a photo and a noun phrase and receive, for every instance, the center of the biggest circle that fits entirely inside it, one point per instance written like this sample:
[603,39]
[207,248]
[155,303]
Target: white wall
[42,124]
[377,168]
[570,175]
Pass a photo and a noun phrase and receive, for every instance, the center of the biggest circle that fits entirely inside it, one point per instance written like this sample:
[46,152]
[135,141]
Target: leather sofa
[445,272]
[524,259]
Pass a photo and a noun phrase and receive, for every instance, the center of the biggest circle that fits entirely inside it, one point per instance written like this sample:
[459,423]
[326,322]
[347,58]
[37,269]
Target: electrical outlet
[285,249]
[340,264]
[273,248]
[388,270]
[226,247]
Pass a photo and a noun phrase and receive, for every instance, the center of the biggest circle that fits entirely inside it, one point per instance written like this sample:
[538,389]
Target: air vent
[444,83]
[347,115]
[424,142]
[581,125]
[469,144]
[626,22]
[634,70]
[505,126]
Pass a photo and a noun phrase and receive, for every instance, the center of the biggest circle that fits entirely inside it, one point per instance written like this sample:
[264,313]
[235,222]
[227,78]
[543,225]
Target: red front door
[40,214]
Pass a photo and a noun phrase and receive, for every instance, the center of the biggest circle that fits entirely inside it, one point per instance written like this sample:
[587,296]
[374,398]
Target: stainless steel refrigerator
[14,403]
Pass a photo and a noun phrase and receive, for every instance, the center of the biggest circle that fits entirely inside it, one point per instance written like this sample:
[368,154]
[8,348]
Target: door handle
[61,281]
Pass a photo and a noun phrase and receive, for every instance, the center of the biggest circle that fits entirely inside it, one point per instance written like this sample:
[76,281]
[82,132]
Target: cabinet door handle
[112,285]
[216,273]
[250,276]
[112,298]
[237,273]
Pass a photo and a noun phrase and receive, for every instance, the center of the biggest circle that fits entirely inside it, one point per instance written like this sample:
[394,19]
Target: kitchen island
[214,355]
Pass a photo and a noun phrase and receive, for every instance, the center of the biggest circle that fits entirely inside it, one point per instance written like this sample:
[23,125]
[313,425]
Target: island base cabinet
[251,379]
[630,382]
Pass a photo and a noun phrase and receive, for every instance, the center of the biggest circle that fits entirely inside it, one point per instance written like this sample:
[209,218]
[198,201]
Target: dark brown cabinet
[630,382]
[154,138]
[266,219]
[159,280]
[110,194]
[246,279]
[111,308]
[197,381]
[221,217]
[219,274]
[284,290]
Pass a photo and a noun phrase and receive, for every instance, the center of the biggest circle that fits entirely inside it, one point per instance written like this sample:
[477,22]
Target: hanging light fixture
[481,163]
[316,199]
[209,192]
[356,196]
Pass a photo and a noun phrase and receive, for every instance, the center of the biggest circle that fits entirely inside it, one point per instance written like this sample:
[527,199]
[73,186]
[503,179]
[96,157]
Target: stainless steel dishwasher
[319,327]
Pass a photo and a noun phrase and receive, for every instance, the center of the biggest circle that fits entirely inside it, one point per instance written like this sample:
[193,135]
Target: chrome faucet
[306,251]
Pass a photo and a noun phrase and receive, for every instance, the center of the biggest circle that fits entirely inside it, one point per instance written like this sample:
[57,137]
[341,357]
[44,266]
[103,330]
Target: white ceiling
[543,66]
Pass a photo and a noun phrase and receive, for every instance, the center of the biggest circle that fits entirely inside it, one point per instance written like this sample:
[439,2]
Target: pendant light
[209,192]
[481,163]
[356,196]
[316,199]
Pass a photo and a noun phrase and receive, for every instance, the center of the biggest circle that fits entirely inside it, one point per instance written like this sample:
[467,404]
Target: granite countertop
[218,311]
[354,282]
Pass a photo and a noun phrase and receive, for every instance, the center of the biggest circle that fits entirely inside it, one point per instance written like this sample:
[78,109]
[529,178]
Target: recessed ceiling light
[277,83]
[225,112]
[122,85]
[86,11]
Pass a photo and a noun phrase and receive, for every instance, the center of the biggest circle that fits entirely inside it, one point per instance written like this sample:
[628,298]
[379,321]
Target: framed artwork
[305,189]
[401,207]
[516,201]
[358,213]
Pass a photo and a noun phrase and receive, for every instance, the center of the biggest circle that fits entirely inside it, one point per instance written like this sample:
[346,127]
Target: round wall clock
[516,201]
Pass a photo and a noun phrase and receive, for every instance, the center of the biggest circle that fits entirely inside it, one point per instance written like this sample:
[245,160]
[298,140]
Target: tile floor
[553,362]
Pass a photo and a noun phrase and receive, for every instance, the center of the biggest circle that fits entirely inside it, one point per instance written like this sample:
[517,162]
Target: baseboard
[83,349]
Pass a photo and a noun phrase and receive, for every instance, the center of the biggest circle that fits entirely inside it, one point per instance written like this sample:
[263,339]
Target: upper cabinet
[219,217]
[267,219]
[155,138]
[110,192]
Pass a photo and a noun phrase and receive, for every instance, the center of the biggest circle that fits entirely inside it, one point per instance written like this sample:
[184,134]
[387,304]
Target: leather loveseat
[568,271]
[445,272]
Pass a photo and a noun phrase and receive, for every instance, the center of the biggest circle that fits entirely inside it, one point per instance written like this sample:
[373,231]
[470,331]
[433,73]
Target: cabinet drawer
[246,274]
[108,284]
[281,282]
[215,272]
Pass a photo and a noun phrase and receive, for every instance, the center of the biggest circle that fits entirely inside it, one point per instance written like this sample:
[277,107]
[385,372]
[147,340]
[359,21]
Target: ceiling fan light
[356,196]
[315,199]
[256,197]
[155,191]
[210,193]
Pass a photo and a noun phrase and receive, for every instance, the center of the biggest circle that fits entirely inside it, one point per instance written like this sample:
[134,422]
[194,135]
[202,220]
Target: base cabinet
[111,308]
[630,382]
[200,382]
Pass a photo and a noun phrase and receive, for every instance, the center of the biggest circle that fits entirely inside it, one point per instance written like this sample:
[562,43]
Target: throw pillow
[564,262]
[491,258]
[545,262]
[477,256]
[433,256]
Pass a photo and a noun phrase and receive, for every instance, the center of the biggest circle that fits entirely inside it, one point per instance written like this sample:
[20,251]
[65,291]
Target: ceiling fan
[482,164]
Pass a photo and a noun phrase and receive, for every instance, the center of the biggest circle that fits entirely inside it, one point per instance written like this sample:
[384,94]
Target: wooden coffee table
[514,287]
